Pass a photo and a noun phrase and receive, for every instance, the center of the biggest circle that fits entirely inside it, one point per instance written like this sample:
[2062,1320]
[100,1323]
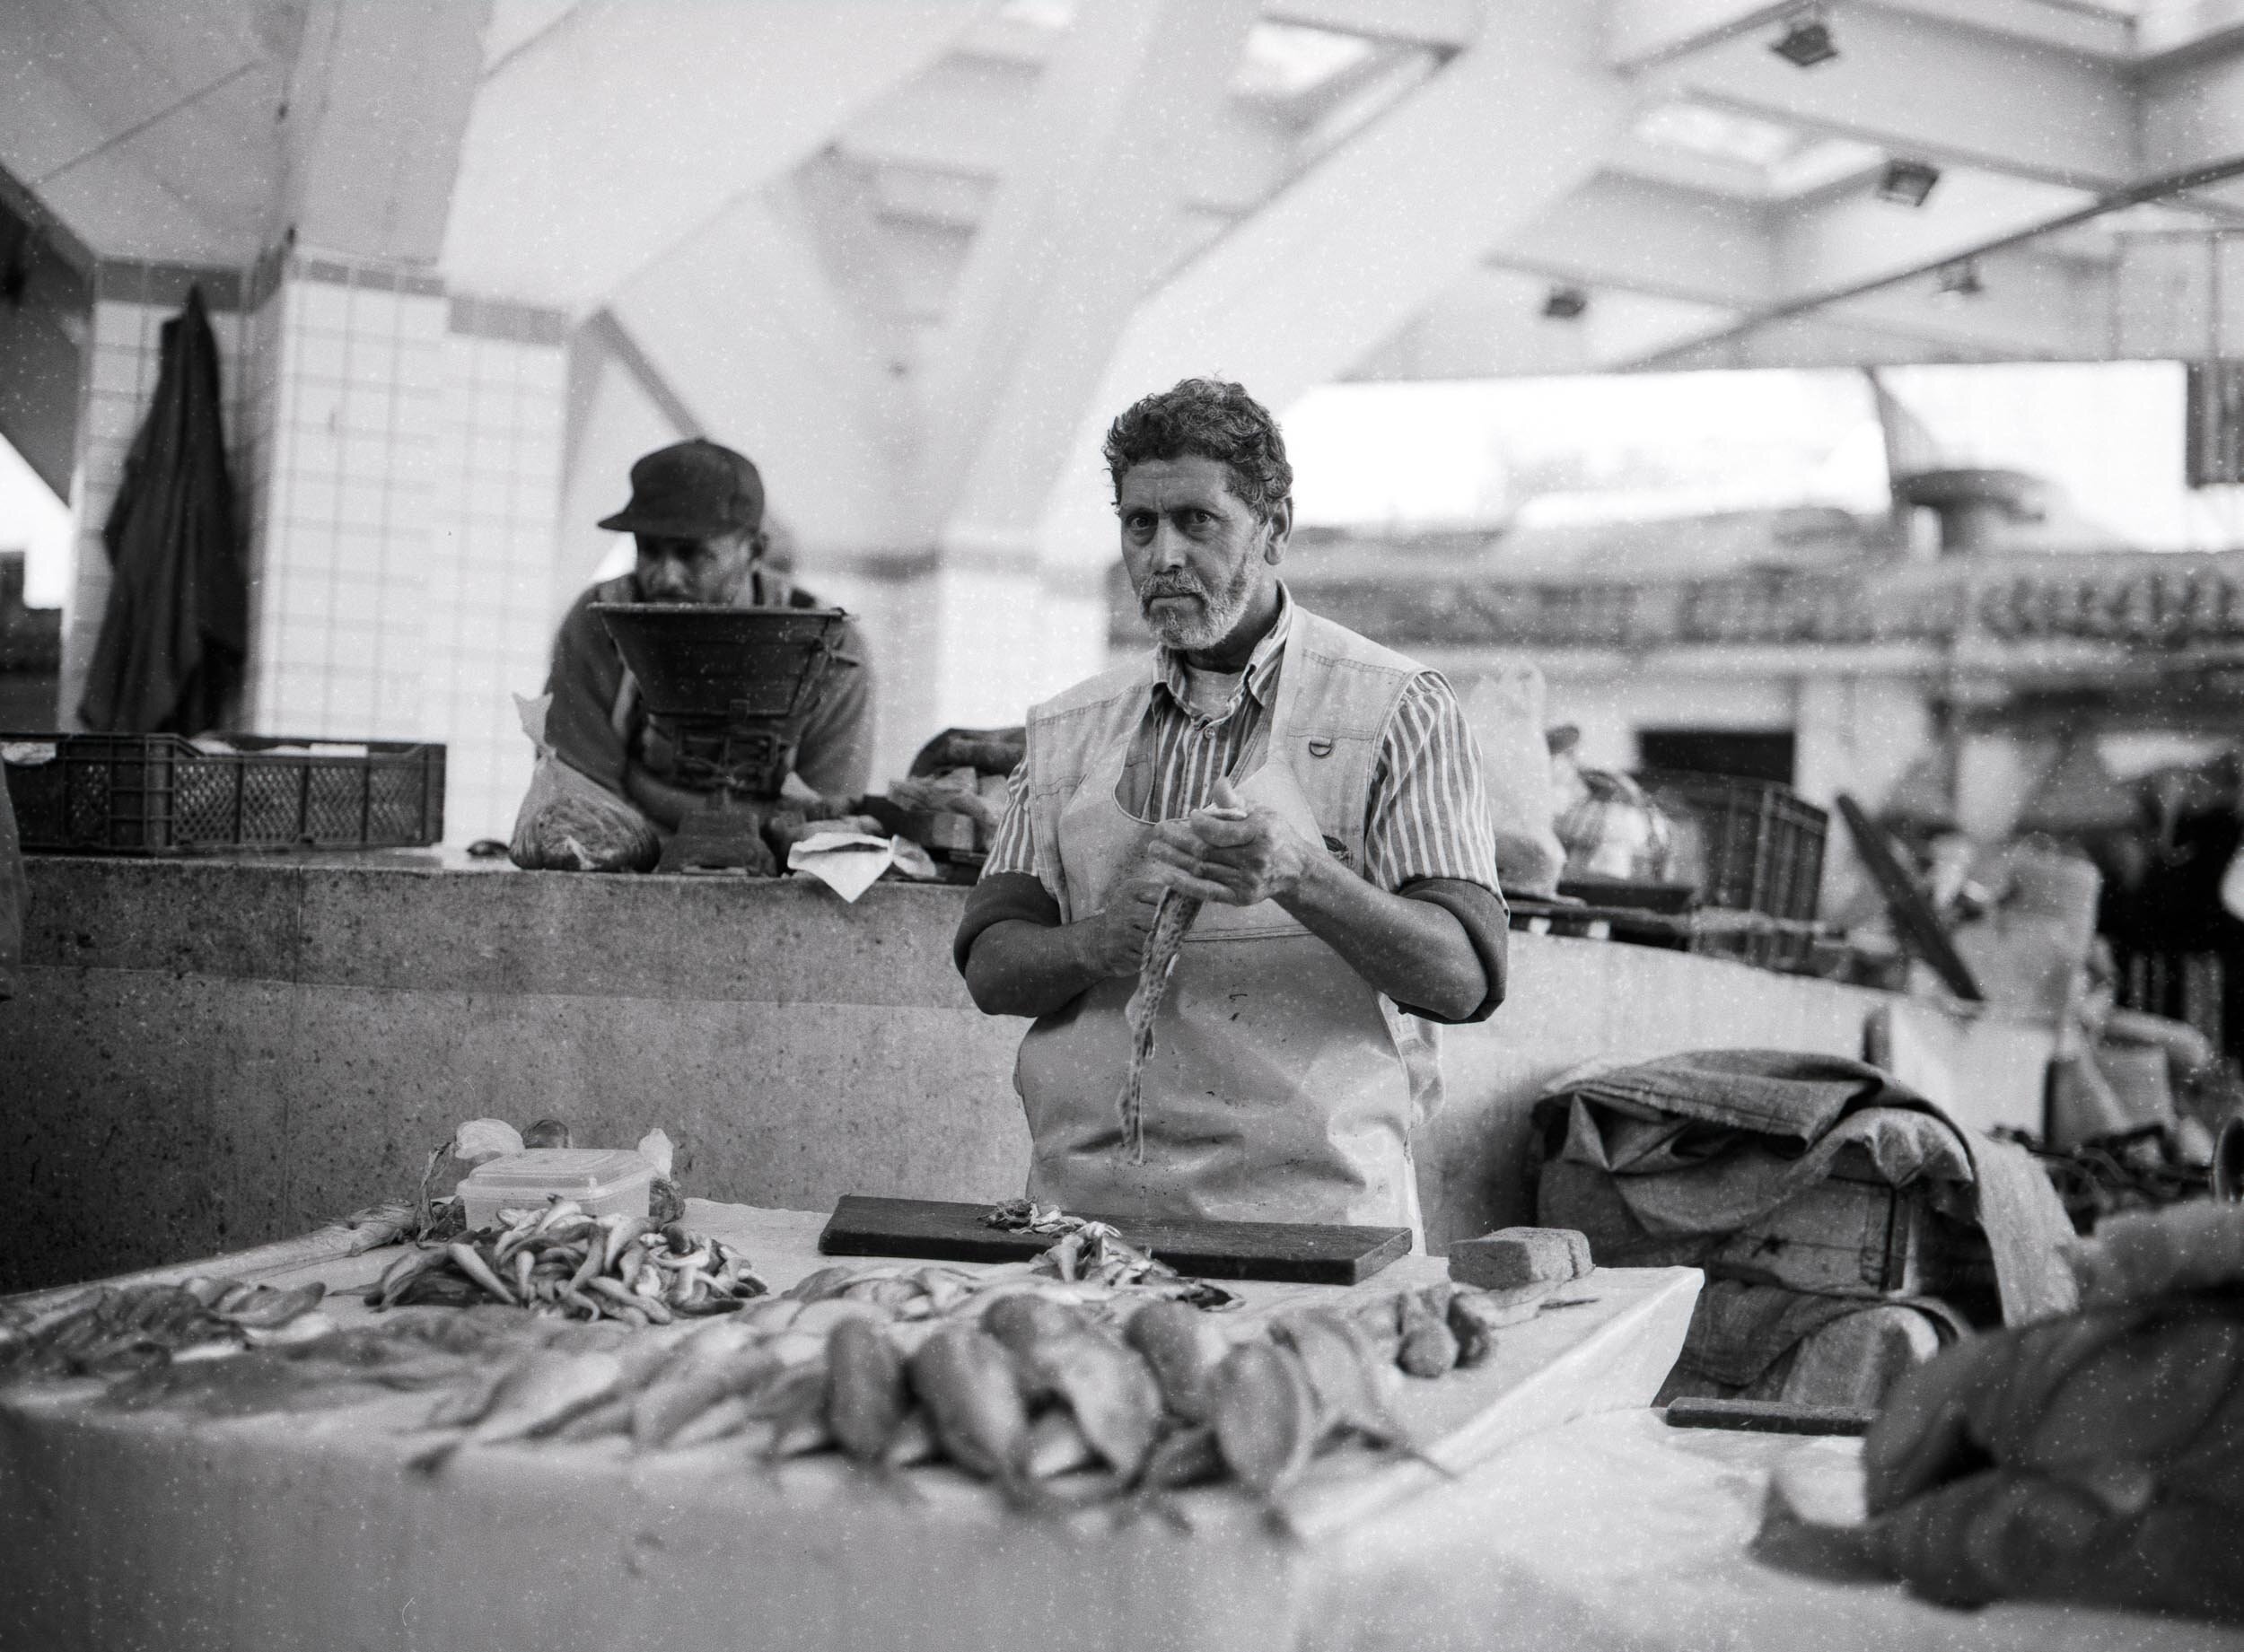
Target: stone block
[1512,1258]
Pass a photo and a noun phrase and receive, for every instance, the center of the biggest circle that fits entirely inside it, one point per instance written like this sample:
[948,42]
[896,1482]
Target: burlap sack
[569,822]
[2098,1457]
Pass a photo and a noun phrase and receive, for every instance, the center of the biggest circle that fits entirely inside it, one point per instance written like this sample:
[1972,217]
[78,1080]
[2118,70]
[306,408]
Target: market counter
[210,1054]
[137,1529]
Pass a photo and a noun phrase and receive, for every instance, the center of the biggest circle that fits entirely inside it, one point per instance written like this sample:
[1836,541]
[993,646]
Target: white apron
[1281,1084]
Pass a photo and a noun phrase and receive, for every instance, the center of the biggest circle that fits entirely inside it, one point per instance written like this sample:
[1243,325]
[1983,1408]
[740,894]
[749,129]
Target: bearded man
[1319,794]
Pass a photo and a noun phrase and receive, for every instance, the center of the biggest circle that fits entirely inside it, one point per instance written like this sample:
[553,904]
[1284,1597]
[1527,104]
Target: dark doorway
[1741,753]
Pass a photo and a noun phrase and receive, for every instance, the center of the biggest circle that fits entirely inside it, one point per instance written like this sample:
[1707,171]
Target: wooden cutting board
[1303,1253]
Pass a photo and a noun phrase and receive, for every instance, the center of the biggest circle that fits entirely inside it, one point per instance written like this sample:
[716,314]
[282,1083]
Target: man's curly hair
[1211,418]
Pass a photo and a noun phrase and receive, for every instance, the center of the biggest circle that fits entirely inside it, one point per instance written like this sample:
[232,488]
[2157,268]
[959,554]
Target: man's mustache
[1173,585]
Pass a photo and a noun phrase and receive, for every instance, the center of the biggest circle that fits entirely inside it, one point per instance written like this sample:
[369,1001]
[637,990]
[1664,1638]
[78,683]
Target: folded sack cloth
[2097,1457]
[1712,1141]
[1745,1338]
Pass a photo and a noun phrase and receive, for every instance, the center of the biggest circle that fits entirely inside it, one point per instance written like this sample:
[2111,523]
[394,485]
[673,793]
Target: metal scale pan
[731,690]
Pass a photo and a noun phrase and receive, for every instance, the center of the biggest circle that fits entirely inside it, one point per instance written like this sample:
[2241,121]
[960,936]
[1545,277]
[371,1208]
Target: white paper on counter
[847,863]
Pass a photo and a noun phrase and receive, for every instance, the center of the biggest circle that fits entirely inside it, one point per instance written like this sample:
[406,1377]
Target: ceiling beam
[1445,25]
[1720,263]
[2171,32]
[1929,87]
[2030,308]
[2193,112]
[966,124]
[793,376]
[1086,217]
[1842,244]
[1491,325]
[1641,34]
[2071,25]
[149,131]
[1629,232]
[1312,282]
[377,108]
[2034,308]
[1818,341]
[573,174]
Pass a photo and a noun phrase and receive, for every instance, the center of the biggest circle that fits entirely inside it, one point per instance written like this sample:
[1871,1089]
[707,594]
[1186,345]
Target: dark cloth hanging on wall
[12,898]
[178,622]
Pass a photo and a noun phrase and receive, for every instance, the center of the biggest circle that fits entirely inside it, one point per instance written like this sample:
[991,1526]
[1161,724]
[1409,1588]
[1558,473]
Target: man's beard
[1218,616]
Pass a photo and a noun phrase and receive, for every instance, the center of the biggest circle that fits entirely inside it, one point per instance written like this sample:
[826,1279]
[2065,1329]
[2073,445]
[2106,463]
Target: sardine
[689,1386]
[548,1388]
[821,1284]
[1112,1391]
[1024,1319]
[1057,1444]
[965,1378]
[1429,1347]
[867,1393]
[1184,1348]
[1338,1360]
[1264,1414]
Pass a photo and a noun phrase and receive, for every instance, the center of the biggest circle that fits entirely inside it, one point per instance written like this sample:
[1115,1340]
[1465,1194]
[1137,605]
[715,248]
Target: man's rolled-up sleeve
[1427,835]
[835,758]
[586,674]
[1009,888]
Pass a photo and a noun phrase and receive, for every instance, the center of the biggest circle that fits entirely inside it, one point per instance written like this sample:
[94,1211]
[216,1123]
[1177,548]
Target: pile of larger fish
[1060,1394]
[1059,1398]
[114,1330]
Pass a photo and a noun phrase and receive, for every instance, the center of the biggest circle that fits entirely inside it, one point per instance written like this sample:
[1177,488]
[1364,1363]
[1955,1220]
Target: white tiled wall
[488,628]
[349,500]
[396,468]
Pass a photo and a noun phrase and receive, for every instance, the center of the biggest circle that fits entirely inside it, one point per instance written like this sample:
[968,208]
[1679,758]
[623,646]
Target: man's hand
[1231,853]
[665,804]
[1112,942]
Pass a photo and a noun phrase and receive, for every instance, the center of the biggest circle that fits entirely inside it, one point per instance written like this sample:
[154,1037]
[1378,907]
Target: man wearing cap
[697,513]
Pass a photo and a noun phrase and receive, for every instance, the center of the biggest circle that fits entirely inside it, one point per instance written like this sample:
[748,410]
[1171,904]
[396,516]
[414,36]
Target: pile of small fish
[112,1331]
[1060,1398]
[563,1260]
[1097,1252]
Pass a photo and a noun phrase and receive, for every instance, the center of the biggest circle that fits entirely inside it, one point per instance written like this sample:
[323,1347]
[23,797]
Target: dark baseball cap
[691,490]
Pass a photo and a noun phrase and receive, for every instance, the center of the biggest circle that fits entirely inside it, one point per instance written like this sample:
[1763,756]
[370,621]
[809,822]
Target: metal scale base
[724,835]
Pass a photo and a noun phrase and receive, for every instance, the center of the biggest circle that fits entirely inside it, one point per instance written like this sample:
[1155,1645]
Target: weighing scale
[731,690]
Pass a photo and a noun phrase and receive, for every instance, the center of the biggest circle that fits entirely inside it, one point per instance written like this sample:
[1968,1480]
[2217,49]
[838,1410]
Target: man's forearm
[1021,968]
[1413,951]
[664,804]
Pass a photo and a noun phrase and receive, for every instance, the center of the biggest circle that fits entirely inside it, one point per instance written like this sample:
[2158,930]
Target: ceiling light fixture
[1564,303]
[1960,279]
[1906,183]
[1807,39]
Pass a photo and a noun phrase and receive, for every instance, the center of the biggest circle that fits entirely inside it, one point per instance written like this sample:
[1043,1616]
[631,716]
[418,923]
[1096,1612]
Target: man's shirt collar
[1262,665]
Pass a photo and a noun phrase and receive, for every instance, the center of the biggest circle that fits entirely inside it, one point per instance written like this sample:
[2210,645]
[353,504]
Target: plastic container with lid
[604,1180]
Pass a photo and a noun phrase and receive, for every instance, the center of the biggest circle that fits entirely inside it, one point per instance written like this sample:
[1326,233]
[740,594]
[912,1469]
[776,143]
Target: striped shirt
[1428,813]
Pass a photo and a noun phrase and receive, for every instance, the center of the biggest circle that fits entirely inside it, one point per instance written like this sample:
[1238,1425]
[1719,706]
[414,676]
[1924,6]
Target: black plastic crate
[160,794]
[1749,846]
